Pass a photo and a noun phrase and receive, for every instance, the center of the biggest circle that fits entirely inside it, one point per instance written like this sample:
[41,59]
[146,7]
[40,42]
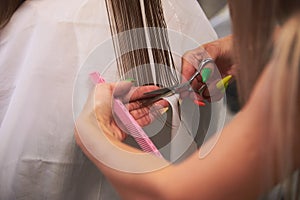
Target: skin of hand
[220,51]
[129,96]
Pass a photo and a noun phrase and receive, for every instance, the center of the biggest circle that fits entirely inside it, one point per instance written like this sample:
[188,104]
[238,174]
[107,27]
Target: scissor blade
[155,98]
[158,91]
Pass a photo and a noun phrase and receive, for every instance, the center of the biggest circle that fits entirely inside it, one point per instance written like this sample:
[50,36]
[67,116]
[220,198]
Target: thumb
[212,49]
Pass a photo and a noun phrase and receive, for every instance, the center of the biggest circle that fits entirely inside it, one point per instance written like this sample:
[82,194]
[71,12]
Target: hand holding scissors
[207,84]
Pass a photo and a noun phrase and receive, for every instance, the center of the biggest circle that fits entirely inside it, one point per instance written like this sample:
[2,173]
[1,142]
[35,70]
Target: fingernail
[129,80]
[96,78]
[205,73]
[199,103]
[180,101]
[223,84]
[163,110]
[227,79]
[202,89]
[226,85]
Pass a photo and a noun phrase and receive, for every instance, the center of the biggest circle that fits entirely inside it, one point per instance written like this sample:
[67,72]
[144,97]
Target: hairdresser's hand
[220,51]
[143,115]
[102,100]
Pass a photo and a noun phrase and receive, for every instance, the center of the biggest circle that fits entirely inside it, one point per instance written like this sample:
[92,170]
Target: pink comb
[129,122]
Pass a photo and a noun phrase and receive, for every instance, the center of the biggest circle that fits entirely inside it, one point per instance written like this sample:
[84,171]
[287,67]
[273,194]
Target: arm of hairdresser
[236,168]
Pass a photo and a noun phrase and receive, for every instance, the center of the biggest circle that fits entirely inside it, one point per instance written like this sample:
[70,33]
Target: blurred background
[218,13]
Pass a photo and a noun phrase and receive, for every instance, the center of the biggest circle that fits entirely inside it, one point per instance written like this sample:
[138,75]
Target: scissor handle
[205,62]
[168,91]
[201,66]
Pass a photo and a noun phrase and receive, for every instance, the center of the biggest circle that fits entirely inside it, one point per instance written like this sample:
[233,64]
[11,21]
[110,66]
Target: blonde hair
[252,29]
[7,9]
[255,23]
[286,94]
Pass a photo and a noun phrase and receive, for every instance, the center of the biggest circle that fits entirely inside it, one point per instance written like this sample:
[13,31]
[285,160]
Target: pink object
[128,122]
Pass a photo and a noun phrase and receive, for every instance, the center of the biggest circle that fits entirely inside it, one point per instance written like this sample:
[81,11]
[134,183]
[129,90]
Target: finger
[187,70]
[212,49]
[144,121]
[121,88]
[142,116]
[138,93]
[117,133]
[146,115]
[213,93]
[139,113]
[233,70]
[208,71]
[161,104]
[137,104]
[221,51]
[195,56]
[196,85]
[103,89]
[101,101]
[133,105]
[191,62]
[196,96]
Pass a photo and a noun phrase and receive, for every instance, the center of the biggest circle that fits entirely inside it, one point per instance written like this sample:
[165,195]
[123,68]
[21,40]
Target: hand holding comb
[128,122]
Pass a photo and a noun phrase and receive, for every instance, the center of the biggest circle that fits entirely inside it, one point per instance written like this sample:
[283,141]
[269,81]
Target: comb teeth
[134,129]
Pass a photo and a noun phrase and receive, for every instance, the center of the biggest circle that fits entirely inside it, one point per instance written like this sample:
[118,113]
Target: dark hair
[7,9]
[126,19]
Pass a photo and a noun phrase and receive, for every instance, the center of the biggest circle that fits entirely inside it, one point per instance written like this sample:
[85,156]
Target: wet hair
[141,41]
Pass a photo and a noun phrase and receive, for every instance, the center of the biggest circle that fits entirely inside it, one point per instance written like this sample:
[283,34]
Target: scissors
[155,95]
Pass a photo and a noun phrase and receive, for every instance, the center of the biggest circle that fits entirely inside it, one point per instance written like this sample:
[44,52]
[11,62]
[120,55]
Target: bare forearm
[131,171]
